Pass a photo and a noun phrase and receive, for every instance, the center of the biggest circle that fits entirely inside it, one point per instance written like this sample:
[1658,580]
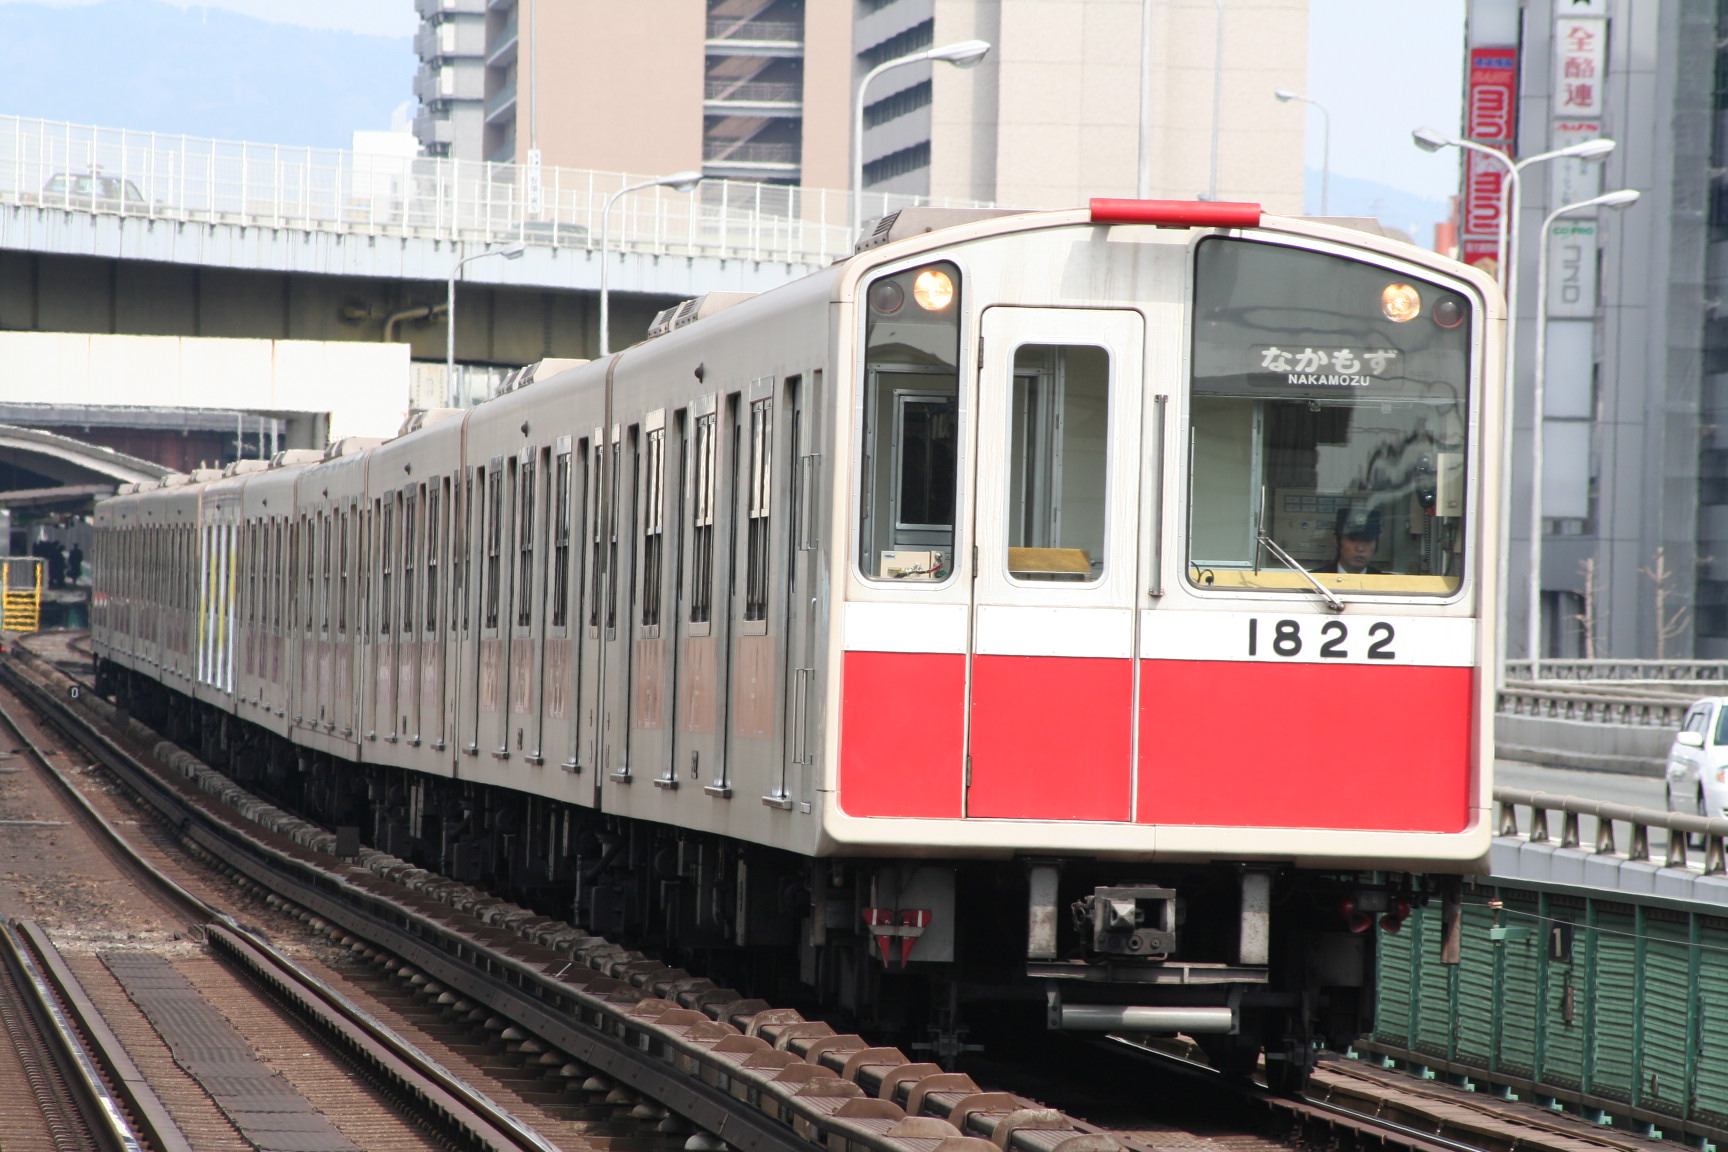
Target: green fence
[1616,1010]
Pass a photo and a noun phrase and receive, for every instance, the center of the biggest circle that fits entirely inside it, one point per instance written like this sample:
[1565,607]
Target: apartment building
[763,89]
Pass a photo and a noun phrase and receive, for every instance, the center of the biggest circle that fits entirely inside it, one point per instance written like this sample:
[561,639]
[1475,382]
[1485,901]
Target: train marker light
[933,289]
[886,297]
[1400,302]
[1449,313]
[1176,213]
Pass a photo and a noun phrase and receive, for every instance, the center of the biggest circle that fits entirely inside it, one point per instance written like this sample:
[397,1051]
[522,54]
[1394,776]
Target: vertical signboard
[1490,117]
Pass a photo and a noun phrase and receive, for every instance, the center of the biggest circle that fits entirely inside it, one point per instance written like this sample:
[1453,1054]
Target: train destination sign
[1310,367]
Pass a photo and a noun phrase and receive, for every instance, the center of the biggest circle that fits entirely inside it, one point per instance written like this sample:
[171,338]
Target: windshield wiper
[1332,601]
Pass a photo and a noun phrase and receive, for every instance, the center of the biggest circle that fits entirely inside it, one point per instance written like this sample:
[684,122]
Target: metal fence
[1653,670]
[117,172]
[1607,1005]
[1601,706]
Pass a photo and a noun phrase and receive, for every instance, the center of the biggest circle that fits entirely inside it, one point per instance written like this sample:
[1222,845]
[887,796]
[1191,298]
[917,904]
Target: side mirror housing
[1690,739]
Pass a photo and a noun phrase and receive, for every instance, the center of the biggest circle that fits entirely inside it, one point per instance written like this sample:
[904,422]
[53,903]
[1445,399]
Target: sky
[372,17]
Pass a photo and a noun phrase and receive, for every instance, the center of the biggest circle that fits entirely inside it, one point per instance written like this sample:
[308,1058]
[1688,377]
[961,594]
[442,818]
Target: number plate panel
[1355,637]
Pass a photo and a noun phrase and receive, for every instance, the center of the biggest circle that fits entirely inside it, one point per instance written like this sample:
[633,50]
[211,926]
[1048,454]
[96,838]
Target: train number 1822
[1334,639]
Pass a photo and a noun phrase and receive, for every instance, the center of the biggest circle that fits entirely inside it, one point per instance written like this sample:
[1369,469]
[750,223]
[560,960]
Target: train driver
[1356,532]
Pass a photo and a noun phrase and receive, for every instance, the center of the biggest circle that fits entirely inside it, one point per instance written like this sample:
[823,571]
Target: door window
[1059,437]
[911,433]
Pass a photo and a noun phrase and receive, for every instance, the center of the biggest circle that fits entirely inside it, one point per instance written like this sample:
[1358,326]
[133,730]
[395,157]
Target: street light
[1624,198]
[1285,96]
[513,252]
[1217,94]
[678,181]
[1506,255]
[962,54]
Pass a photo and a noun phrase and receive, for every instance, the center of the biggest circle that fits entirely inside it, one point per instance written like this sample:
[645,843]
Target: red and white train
[1089,606]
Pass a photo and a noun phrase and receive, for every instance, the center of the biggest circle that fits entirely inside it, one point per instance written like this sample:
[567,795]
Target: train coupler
[1136,920]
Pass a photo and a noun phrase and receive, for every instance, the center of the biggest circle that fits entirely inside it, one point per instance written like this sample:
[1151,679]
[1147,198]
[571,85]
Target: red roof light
[1176,213]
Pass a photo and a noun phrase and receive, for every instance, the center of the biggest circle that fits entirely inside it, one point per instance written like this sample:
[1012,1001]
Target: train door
[527,610]
[697,670]
[591,653]
[798,608]
[652,664]
[1057,500]
[623,476]
[408,635]
[389,576]
[466,698]
[564,533]
[496,564]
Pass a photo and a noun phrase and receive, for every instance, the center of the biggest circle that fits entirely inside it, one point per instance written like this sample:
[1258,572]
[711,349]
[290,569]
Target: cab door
[1050,721]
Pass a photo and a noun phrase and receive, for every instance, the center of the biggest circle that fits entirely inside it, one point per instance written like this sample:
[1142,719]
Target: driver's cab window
[1328,418]
[911,444]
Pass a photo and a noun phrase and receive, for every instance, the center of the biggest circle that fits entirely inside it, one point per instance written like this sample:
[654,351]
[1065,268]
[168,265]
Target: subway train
[1083,610]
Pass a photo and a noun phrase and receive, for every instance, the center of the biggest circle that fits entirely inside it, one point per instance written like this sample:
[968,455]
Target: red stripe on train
[1305,745]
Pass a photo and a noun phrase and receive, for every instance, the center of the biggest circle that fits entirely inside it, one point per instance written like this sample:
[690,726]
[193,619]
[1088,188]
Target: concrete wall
[1051,118]
[46,292]
[620,85]
[351,389]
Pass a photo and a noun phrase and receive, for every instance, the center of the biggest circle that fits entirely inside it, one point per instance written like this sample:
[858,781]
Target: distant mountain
[199,72]
[1395,207]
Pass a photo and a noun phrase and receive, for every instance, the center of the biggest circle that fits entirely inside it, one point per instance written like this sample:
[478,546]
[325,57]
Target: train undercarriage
[1246,958]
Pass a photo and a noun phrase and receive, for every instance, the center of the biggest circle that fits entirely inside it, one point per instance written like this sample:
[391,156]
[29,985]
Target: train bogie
[1121,574]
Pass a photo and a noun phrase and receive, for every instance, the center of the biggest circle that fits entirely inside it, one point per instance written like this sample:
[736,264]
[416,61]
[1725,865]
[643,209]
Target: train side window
[757,520]
[612,517]
[910,454]
[560,593]
[596,563]
[525,546]
[653,525]
[410,559]
[494,529]
[435,536]
[325,520]
[1059,437]
[464,549]
[386,565]
[345,566]
[702,472]
[1328,416]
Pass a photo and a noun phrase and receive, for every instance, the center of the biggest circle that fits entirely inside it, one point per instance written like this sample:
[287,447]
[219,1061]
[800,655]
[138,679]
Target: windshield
[1328,415]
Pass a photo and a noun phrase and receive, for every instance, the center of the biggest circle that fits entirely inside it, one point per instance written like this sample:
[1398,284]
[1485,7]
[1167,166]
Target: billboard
[1490,117]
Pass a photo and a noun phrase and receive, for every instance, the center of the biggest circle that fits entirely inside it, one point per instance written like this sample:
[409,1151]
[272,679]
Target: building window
[899,163]
[897,105]
[913,39]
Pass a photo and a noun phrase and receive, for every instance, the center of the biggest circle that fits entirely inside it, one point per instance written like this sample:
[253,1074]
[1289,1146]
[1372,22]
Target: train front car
[1169,597]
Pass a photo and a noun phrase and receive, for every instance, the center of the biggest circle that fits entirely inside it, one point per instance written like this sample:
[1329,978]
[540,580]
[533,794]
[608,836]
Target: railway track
[614,1033]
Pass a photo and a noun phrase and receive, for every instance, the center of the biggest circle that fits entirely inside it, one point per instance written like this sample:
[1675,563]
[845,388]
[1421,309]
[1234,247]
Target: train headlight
[1400,303]
[933,289]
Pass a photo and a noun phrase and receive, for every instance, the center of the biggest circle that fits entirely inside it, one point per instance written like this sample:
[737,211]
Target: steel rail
[103,1110]
[758,1078]
[436,1089]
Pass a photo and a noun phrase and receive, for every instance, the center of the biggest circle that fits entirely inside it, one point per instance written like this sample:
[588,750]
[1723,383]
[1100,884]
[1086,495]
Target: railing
[20,594]
[186,179]
[1680,670]
[1605,842]
[745,152]
[772,31]
[1551,702]
[755,91]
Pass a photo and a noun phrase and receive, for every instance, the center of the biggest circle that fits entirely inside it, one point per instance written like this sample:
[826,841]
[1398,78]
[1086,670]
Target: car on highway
[1697,775]
[95,191]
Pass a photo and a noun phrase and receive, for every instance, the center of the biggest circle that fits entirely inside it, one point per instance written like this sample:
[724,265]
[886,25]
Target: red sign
[1490,117]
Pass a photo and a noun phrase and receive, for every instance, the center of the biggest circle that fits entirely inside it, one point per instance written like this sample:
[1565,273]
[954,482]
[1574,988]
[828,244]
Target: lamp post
[1506,256]
[962,54]
[1143,167]
[679,181]
[513,252]
[1217,95]
[1624,198]
[1285,96]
